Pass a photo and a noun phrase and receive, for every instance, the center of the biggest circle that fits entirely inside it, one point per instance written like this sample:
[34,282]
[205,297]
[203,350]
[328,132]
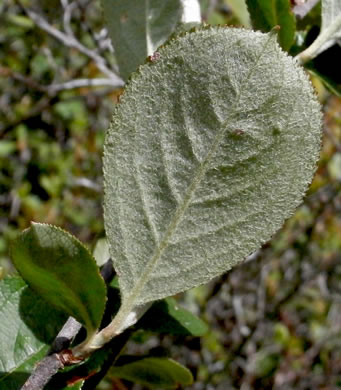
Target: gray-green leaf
[211,148]
[138,27]
[27,326]
[59,267]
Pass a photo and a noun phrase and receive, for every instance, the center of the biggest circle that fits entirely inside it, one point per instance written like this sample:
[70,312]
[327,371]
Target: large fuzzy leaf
[27,326]
[62,271]
[210,149]
[138,27]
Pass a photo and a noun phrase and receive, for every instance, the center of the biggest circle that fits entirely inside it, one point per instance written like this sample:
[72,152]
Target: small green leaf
[138,27]
[152,372]
[210,150]
[265,15]
[167,317]
[28,325]
[62,271]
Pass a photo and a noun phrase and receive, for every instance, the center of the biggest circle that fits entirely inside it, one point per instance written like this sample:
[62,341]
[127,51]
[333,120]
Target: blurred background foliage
[275,321]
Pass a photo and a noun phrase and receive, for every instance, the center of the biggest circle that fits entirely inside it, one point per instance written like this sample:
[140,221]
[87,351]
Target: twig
[68,9]
[70,41]
[8,72]
[59,356]
[66,335]
[48,367]
[54,88]
[87,183]
[80,83]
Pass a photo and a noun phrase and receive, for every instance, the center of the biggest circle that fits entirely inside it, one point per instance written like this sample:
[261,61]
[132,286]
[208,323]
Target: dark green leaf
[27,326]
[138,27]
[152,372]
[265,15]
[62,271]
[167,317]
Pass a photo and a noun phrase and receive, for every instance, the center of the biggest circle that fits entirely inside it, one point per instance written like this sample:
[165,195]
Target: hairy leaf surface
[210,149]
[27,326]
[265,15]
[62,271]
[138,27]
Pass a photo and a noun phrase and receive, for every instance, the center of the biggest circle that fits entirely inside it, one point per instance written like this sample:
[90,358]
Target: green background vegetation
[275,321]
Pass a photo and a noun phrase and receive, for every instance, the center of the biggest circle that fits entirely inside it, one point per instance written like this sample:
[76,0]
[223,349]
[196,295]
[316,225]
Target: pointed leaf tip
[60,268]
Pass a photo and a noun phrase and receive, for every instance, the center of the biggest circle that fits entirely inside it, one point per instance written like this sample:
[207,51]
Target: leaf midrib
[129,301]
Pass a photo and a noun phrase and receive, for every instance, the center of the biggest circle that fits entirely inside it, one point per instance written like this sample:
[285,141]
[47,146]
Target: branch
[80,83]
[68,9]
[59,355]
[53,89]
[70,41]
[48,367]
[8,72]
